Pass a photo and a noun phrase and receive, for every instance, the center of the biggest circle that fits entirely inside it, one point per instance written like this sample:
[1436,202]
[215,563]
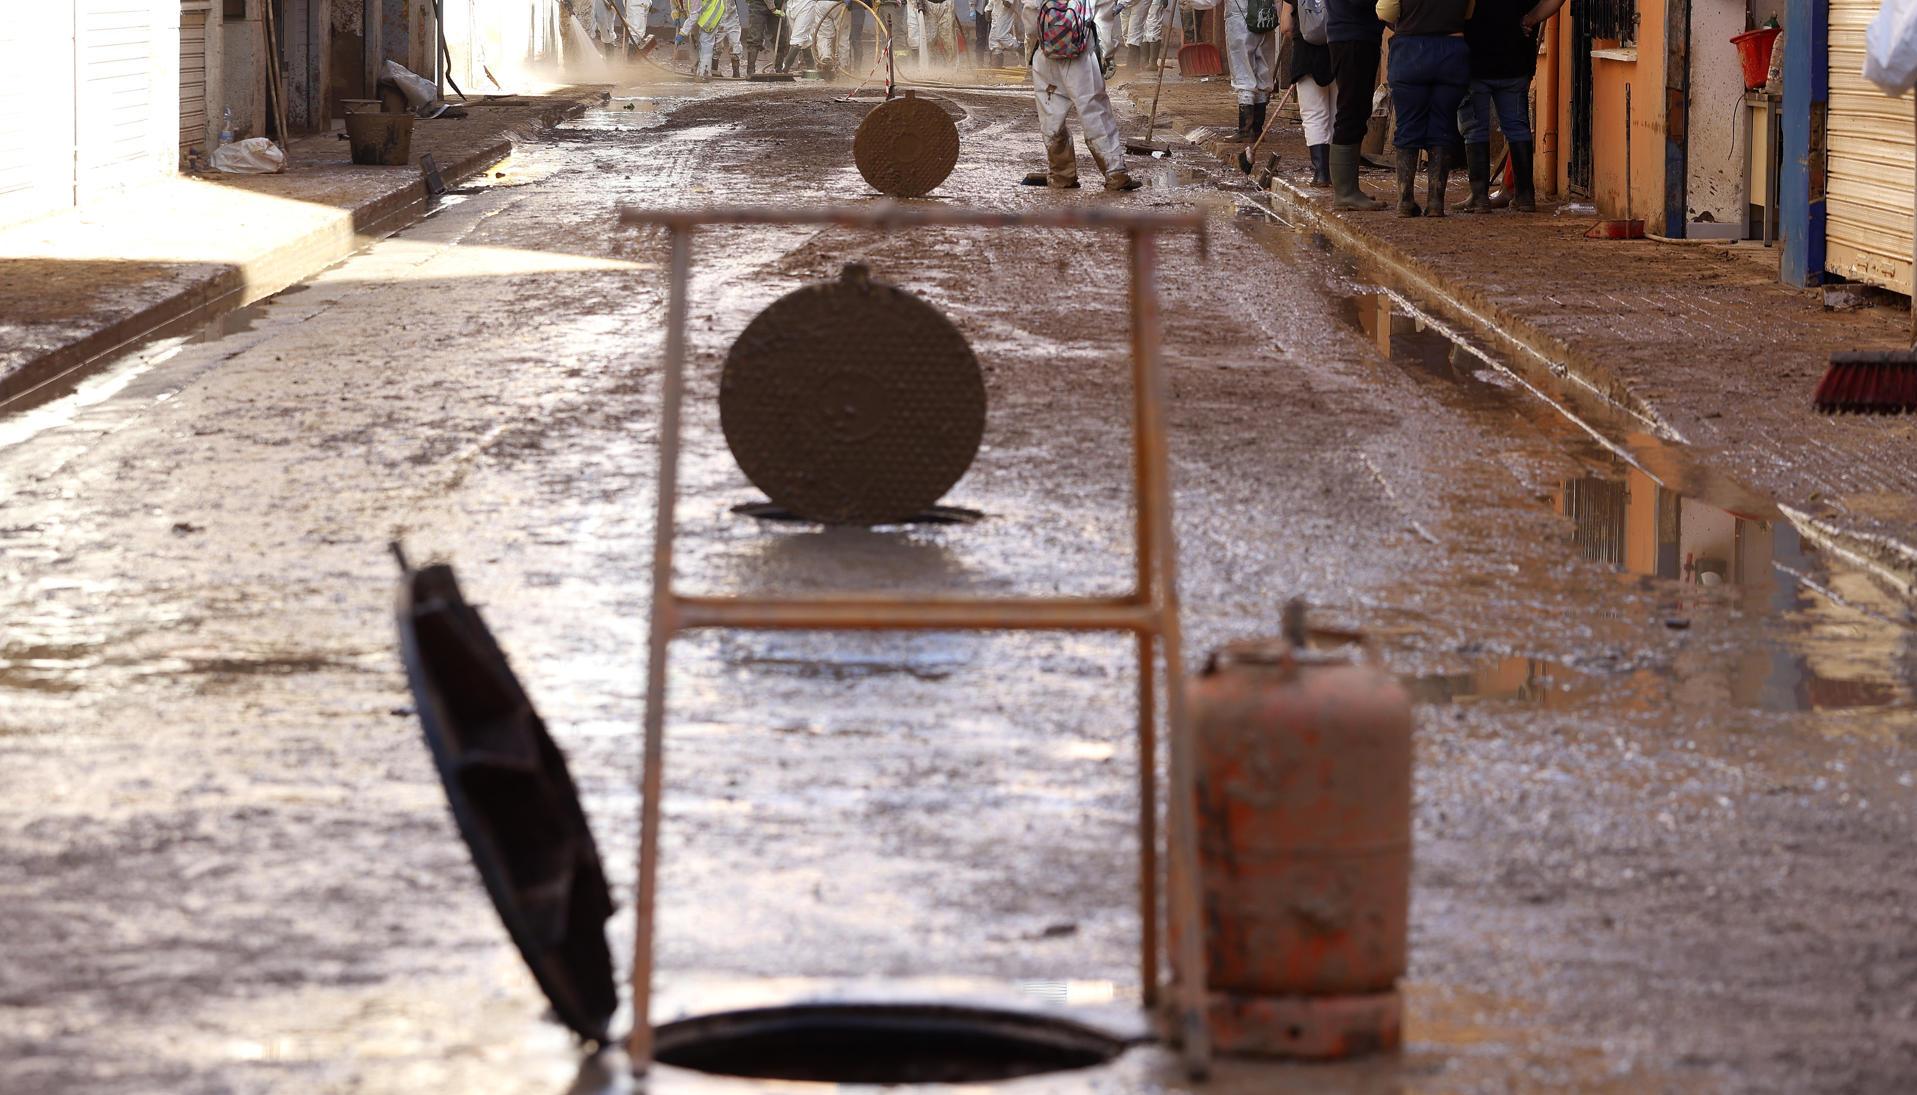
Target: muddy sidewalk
[1699,342]
[81,285]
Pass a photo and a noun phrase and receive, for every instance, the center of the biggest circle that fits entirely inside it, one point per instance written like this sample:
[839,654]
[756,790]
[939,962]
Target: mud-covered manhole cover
[852,402]
[906,147]
[882,1044]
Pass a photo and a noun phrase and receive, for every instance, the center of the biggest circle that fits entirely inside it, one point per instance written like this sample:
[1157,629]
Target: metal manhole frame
[1149,611]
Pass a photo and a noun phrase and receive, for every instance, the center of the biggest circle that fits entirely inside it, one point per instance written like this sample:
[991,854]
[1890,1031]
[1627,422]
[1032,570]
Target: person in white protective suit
[1144,30]
[1251,49]
[940,19]
[1109,17]
[1064,85]
[715,21]
[823,28]
[1005,31]
[608,14]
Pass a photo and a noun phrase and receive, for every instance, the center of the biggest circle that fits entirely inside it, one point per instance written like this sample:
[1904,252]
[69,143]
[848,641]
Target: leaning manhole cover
[852,402]
[905,147]
[882,1044]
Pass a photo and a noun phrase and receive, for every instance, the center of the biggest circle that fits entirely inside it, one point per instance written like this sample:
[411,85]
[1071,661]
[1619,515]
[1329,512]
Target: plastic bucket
[1754,51]
[380,139]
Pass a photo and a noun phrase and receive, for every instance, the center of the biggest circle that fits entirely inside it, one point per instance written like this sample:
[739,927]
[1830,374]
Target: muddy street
[1662,824]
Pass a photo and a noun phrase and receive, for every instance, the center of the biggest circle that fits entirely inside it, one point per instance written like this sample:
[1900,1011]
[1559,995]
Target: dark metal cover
[512,797]
[906,147]
[852,402]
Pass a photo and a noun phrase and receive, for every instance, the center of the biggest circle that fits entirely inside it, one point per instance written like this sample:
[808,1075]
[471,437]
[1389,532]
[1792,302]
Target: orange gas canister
[1304,816]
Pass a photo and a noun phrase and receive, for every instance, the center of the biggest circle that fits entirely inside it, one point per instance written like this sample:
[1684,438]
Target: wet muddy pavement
[1663,824]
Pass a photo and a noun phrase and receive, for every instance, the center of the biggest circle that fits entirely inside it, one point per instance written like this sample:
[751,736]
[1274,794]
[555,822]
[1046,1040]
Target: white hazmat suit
[824,27]
[1253,57]
[729,29]
[1078,84]
[1145,22]
[940,18]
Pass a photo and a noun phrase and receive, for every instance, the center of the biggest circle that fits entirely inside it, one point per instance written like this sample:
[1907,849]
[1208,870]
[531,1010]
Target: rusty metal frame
[1149,611]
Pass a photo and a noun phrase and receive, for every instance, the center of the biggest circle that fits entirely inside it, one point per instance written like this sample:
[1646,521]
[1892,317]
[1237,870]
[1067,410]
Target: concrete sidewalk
[1697,343]
[80,286]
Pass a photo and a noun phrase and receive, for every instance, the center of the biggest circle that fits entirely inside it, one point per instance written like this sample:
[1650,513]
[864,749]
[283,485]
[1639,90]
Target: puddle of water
[1521,679]
[1654,510]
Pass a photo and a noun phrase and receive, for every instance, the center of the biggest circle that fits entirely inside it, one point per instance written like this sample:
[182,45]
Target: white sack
[253,156]
[1890,47]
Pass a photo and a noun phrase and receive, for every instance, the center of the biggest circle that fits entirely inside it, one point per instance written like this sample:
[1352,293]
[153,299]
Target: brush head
[1868,382]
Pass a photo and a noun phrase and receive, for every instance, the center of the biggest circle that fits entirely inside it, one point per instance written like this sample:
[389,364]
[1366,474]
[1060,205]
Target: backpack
[1062,34]
[1261,16]
[1314,24]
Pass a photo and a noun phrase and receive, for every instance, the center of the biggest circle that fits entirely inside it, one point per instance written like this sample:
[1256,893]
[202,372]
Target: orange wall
[1645,76]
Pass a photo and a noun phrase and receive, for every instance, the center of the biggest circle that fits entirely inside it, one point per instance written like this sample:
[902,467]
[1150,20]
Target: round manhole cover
[906,147]
[882,1044]
[852,402]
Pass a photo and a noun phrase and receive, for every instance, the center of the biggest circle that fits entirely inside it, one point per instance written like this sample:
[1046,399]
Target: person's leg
[1085,81]
[1474,114]
[1238,55]
[1314,106]
[1514,118]
[1264,67]
[981,33]
[1448,68]
[856,33]
[1354,67]
[1411,101]
[1054,106]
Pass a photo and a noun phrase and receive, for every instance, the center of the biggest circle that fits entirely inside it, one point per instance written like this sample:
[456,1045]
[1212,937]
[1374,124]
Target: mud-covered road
[1663,826]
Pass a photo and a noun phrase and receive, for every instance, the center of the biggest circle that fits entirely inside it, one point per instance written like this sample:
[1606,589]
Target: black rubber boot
[1320,165]
[1477,165]
[752,62]
[1246,134]
[1525,184]
[1344,181]
[1437,176]
[735,67]
[1408,183]
[1258,111]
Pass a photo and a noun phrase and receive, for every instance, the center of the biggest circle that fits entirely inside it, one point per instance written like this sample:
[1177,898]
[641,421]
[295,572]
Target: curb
[232,287]
[1891,559]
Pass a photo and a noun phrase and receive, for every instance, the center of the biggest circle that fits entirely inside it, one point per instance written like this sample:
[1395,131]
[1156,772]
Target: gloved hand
[679,39]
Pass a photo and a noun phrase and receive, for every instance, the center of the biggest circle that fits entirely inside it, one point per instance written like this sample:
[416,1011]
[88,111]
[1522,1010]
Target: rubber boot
[1344,181]
[1134,57]
[1437,175]
[1525,200]
[1477,165]
[1258,111]
[1408,183]
[752,62]
[735,66]
[1246,134]
[1320,165]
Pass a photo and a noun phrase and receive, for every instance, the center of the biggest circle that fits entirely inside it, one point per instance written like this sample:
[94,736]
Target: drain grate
[882,1044]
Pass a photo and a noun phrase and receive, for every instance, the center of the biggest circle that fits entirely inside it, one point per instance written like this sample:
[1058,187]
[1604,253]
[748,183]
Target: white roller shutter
[193,58]
[1869,192]
[114,103]
[36,109]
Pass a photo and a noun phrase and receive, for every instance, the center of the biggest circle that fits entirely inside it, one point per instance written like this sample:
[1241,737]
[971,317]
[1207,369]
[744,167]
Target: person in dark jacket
[1430,74]
[1308,70]
[1504,58]
[1356,36]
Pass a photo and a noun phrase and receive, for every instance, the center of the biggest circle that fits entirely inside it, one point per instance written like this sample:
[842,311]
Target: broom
[1869,382]
[1145,146]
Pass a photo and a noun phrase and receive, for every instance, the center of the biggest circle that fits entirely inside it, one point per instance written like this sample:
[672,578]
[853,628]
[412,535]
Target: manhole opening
[882,1044]
[932,515]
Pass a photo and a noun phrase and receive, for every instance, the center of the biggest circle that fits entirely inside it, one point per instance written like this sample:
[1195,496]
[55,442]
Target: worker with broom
[1067,75]
[1251,46]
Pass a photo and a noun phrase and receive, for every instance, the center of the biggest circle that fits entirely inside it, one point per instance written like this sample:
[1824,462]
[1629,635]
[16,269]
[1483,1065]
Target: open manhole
[882,1044]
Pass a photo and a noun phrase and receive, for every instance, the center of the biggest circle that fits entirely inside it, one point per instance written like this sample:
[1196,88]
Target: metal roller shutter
[115,60]
[193,108]
[1870,190]
[36,110]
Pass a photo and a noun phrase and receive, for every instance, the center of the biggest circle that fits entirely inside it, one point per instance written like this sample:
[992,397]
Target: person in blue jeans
[1504,58]
[1430,72]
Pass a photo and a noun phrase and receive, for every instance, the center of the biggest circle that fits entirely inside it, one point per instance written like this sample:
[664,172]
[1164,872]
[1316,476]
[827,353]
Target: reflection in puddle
[1526,680]
[1652,509]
